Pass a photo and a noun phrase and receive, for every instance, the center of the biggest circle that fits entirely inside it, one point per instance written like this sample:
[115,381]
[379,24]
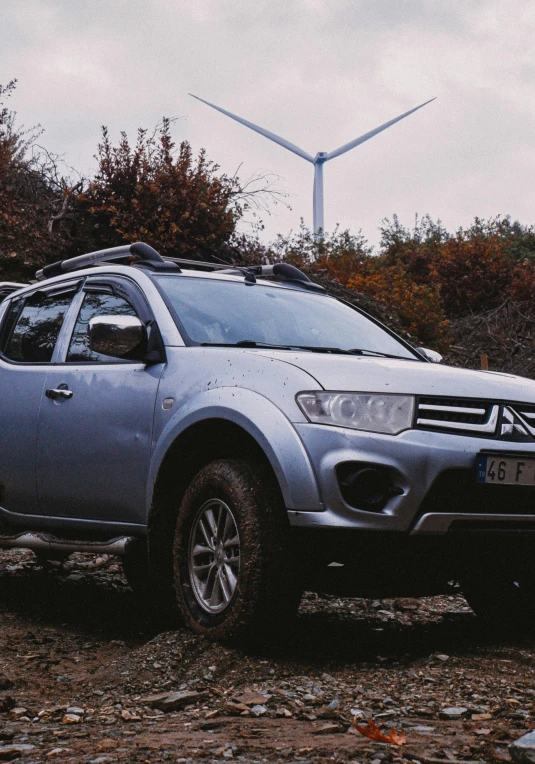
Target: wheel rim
[214,556]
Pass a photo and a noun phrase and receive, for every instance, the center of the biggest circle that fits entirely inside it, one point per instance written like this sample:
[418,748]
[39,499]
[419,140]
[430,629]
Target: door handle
[58,392]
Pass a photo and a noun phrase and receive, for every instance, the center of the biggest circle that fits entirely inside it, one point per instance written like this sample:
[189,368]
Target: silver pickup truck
[237,435]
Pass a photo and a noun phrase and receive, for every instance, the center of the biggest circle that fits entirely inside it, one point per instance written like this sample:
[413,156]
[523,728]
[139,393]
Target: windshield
[229,312]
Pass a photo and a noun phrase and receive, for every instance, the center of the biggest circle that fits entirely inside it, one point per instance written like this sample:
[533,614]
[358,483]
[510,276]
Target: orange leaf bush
[417,305]
[158,193]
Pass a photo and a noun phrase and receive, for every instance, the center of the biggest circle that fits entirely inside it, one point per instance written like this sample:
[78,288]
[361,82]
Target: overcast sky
[317,72]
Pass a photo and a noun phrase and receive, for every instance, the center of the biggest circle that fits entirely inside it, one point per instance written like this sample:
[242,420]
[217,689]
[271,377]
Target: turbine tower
[321,157]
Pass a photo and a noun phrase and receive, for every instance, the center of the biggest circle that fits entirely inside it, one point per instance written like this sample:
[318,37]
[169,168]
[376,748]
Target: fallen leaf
[372,731]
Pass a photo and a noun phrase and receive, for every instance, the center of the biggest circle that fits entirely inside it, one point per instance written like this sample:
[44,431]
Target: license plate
[505,470]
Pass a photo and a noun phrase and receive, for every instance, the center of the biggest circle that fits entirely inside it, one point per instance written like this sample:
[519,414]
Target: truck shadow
[96,602]
[100,605]
[339,636]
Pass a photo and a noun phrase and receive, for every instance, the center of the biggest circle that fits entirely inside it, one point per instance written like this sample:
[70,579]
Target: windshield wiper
[349,351]
[255,344]
[273,346]
[310,348]
[248,344]
[363,351]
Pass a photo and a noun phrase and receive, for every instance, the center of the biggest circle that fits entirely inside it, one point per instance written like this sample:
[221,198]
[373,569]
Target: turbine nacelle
[321,157]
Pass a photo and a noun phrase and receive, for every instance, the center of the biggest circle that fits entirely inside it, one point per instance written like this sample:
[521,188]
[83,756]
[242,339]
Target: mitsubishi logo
[512,428]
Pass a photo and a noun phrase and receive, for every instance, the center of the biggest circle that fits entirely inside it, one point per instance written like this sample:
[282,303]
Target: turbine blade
[266,133]
[372,133]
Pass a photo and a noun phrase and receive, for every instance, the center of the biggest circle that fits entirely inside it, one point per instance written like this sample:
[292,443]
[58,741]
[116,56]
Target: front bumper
[417,458]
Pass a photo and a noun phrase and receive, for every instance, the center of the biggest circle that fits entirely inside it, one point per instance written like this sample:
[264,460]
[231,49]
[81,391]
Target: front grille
[465,415]
[456,491]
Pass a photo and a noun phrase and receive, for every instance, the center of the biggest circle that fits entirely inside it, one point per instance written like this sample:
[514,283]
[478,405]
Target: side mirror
[118,336]
[431,355]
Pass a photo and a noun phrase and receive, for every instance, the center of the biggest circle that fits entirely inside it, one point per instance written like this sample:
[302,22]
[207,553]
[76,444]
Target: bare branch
[259,191]
[65,207]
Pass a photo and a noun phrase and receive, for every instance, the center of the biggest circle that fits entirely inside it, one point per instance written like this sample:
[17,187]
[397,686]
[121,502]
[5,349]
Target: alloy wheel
[214,556]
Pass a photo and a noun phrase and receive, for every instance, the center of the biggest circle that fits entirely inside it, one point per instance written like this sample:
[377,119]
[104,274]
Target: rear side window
[33,325]
[5,292]
[95,304]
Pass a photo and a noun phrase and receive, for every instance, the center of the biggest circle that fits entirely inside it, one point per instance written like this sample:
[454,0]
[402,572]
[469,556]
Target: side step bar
[49,543]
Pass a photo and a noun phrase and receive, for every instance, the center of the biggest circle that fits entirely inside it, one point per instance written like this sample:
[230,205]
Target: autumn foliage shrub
[476,269]
[152,192]
[28,197]
[169,196]
[418,305]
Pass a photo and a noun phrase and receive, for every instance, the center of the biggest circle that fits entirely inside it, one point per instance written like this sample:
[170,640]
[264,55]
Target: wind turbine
[321,157]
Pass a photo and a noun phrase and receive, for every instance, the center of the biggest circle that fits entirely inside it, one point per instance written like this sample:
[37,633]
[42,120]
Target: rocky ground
[86,677]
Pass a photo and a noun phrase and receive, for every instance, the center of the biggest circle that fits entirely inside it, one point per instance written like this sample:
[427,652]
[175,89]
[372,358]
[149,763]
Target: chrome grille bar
[526,414]
[488,427]
[452,409]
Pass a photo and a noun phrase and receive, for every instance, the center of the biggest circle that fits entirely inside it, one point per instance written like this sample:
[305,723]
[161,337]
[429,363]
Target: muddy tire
[233,560]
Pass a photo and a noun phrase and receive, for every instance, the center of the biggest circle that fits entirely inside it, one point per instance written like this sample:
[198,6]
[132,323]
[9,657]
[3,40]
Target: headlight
[360,411]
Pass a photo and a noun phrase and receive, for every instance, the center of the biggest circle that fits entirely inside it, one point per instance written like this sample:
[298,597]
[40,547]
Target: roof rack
[285,271]
[288,273]
[197,265]
[148,256]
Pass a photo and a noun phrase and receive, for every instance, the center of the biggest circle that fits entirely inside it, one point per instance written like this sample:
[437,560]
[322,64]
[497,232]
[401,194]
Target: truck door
[95,434]
[28,340]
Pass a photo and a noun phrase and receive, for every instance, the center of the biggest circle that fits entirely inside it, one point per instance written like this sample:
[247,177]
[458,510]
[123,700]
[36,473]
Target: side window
[5,292]
[9,322]
[95,304]
[33,325]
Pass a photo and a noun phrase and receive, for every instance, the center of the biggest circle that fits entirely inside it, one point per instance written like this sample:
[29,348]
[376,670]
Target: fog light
[366,486]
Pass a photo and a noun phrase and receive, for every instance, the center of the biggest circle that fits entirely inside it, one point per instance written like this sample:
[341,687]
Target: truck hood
[386,375]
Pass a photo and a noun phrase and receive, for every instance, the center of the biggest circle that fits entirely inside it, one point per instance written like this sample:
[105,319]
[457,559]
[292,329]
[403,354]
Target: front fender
[266,423]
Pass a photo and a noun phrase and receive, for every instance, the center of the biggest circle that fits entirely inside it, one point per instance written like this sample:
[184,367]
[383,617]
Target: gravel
[86,675]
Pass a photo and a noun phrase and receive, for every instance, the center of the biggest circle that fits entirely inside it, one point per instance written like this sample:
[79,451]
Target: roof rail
[285,271]
[148,256]
[8,287]
[197,265]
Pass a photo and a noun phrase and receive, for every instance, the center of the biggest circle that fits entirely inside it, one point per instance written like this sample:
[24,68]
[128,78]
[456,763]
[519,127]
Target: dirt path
[81,664]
